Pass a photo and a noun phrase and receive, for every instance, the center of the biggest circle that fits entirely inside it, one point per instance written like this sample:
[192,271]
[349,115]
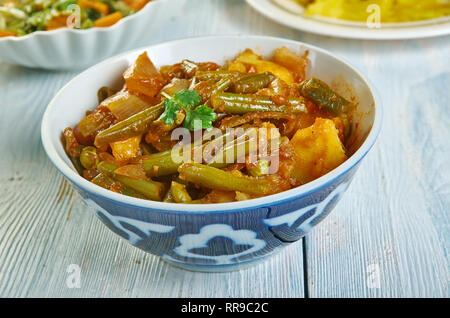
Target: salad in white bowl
[72,34]
[18,18]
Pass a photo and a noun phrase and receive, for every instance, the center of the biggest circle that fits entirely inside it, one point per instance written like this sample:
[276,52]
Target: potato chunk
[317,150]
[126,149]
[261,66]
[292,61]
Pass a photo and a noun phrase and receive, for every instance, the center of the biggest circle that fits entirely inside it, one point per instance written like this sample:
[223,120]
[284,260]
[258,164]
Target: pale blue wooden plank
[394,218]
[45,227]
[394,215]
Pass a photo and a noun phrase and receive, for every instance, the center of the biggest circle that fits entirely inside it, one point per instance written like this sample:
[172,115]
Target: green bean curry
[198,132]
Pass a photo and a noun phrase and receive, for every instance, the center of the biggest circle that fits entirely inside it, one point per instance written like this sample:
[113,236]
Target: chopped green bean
[151,189]
[261,168]
[106,182]
[213,178]
[322,95]
[163,164]
[179,193]
[215,76]
[89,157]
[231,103]
[133,126]
[253,83]
[237,149]
[236,120]
[160,164]
[223,84]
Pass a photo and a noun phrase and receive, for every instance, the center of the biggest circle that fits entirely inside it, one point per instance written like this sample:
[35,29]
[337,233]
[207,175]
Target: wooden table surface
[388,237]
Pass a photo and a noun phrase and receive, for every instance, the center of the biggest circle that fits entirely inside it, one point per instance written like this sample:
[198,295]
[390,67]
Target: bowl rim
[274,199]
[111,28]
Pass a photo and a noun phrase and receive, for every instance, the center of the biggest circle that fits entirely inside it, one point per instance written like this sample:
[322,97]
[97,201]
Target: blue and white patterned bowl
[214,237]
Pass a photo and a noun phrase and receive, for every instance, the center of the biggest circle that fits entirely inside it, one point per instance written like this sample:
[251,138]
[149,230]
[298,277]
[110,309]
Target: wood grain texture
[394,217]
[45,226]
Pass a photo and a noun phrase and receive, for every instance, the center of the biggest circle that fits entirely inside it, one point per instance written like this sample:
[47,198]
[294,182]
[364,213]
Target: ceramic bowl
[67,49]
[212,237]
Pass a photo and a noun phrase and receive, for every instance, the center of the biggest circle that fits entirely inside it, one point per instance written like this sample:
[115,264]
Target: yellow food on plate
[390,11]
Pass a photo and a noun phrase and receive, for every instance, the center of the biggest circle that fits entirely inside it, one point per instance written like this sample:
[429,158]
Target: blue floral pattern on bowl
[219,241]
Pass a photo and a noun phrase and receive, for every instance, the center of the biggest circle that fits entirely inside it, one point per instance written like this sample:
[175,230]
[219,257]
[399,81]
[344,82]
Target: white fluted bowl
[75,49]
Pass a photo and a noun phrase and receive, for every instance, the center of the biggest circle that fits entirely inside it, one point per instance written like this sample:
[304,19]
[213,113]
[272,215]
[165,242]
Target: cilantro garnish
[201,113]
[189,101]
[187,98]
[170,112]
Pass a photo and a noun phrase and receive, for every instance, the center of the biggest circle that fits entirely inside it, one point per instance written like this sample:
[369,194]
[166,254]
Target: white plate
[290,14]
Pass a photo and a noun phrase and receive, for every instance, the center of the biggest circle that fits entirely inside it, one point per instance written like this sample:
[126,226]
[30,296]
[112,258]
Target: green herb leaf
[170,112]
[187,98]
[205,115]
